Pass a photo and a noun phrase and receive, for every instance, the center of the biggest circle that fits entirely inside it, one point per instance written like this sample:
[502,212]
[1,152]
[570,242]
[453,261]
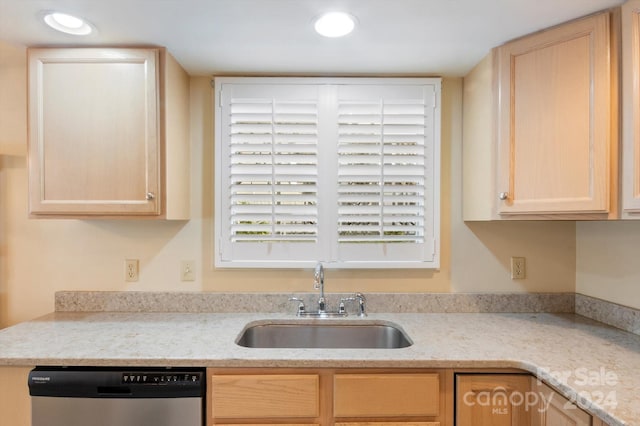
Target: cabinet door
[94,144]
[631,109]
[554,120]
[386,395]
[555,410]
[492,400]
[265,396]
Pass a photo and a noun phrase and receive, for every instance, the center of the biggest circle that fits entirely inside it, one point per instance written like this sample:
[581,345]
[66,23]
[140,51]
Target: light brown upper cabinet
[108,133]
[540,126]
[631,109]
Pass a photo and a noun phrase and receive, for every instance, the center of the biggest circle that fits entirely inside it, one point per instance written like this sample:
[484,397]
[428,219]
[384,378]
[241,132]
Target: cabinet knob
[150,196]
[503,196]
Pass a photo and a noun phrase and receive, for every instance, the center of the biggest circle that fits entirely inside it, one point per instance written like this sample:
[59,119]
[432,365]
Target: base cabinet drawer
[386,395]
[246,396]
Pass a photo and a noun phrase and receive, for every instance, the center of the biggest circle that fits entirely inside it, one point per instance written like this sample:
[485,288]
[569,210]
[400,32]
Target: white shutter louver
[274,170]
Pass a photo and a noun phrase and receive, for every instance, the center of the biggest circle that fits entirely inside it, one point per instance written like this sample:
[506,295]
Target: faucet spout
[318,284]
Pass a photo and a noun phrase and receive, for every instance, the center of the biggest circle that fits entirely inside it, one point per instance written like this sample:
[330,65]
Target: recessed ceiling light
[335,24]
[67,23]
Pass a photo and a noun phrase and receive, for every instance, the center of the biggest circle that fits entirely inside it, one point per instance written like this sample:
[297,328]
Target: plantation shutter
[272,172]
[343,171]
[386,172]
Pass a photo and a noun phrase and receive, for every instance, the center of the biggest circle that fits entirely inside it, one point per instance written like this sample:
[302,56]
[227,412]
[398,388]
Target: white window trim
[365,261]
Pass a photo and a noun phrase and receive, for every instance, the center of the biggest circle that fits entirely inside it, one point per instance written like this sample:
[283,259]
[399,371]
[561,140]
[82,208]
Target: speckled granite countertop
[599,365]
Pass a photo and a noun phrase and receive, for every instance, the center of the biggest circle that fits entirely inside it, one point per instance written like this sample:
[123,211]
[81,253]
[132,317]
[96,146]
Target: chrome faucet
[318,284]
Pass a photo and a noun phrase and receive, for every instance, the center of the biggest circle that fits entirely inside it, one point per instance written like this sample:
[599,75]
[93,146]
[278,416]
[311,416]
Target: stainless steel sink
[356,335]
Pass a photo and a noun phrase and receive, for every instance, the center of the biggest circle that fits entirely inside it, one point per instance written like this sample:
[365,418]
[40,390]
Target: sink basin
[356,335]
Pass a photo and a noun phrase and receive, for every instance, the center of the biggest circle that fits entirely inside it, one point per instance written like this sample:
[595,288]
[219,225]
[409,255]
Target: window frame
[330,249]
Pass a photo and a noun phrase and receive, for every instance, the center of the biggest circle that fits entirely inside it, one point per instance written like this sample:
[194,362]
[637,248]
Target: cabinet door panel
[491,400]
[631,108]
[554,113]
[94,131]
[264,396]
[386,395]
[556,410]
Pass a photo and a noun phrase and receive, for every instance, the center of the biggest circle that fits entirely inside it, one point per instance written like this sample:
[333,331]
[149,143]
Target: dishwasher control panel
[159,378]
[123,382]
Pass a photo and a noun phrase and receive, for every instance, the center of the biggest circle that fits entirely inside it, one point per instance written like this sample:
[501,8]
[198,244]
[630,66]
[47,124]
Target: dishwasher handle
[110,391]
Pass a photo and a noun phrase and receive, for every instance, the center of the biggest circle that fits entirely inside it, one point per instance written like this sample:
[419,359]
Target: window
[343,171]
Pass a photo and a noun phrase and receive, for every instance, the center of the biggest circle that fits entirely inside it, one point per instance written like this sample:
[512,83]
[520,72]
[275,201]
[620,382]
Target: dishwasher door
[116,397]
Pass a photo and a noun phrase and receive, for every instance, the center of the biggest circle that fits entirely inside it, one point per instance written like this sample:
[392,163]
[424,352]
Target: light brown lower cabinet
[555,410]
[328,397]
[514,400]
[492,399]
[237,396]
[385,397]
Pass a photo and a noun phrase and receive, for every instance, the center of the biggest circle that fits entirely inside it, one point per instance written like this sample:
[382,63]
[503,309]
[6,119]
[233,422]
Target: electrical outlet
[131,270]
[188,270]
[518,268]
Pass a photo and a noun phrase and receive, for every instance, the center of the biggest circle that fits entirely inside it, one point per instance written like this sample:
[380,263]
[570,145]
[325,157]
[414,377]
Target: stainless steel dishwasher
[66,396]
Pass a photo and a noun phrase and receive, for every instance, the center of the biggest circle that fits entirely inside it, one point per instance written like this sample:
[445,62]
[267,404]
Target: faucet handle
[301,309]
[362,304]
[341,307]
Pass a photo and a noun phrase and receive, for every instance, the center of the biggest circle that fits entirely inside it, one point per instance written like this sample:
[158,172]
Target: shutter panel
[381,171]
[273,170]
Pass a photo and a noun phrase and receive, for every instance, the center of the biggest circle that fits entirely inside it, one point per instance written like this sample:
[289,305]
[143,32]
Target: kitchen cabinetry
[15,403]
[235,396]
[272,396]
[386,395]
[631,109]
[108,133]
[341,397]
[540,126]
[383,397]
[553,409]
[492,400]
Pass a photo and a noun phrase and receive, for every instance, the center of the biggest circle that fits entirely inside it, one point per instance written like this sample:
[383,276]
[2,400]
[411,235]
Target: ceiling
[400,37]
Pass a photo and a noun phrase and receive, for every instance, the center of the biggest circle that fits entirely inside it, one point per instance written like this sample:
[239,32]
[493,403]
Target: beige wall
[607,261]
[39,257]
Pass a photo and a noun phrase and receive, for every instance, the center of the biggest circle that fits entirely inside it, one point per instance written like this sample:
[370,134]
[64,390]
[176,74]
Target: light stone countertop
[600,364]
